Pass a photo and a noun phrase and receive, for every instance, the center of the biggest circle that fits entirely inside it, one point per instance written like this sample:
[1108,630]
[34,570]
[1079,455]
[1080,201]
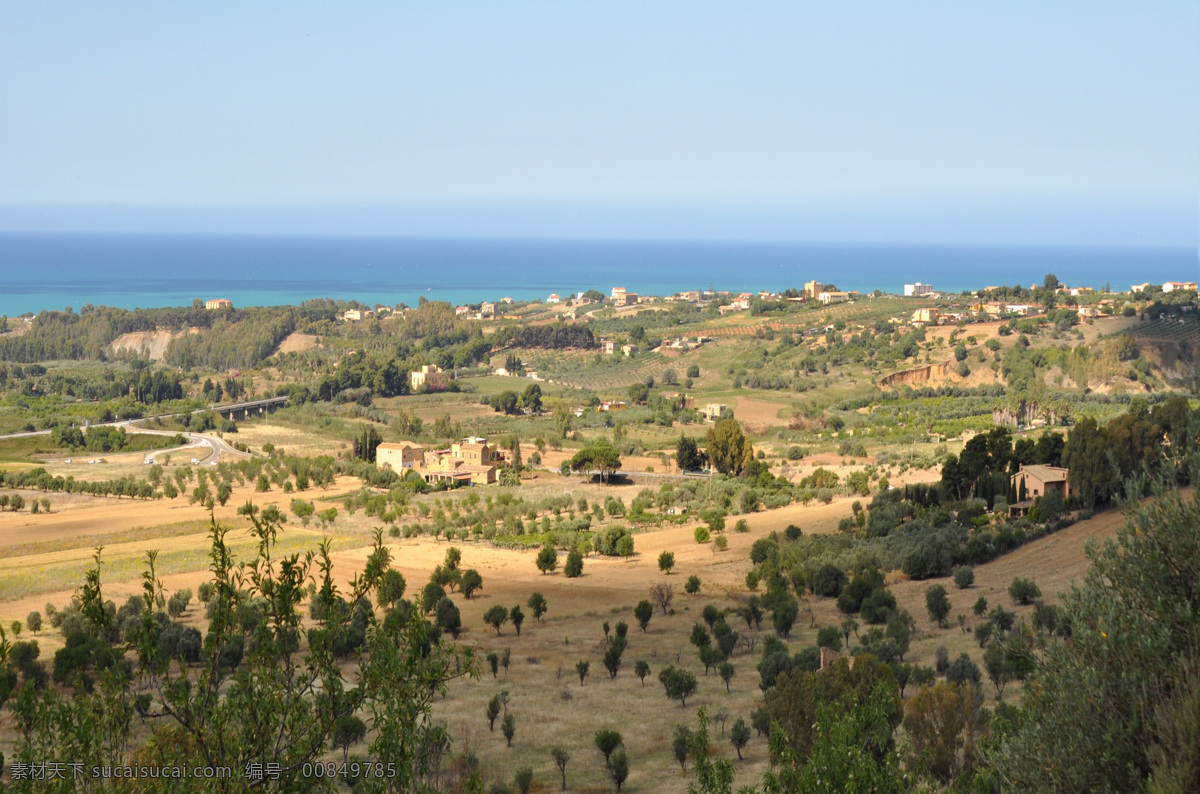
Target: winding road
[213,446]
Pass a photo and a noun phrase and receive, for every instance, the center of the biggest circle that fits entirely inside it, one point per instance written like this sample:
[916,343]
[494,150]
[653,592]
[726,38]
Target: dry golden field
[44,556]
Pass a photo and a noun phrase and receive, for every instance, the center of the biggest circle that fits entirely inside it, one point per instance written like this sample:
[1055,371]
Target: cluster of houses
[471,461]
[1168,286]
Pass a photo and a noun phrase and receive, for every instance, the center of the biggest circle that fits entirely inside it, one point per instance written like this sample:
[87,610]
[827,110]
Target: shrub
[666,561]
[1024,591]
[701,534]
[938,604]
[547,559]
[964,577]
[829,637]
[829,581]
[692,585]
[962,670]
[574,567]
[878,606]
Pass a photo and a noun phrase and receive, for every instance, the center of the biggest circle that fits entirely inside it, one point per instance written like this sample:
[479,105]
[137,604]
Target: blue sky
[1044,122]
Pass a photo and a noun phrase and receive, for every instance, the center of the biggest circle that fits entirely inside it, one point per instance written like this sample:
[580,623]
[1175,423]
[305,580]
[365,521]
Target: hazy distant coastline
[56,270]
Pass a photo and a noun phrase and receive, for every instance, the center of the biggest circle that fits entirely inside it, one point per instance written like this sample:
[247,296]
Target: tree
[692,585]
[701,534]
[612,656]
[681,745]
[618,768]
[999,668]
[537,605]
[599,456]
[471,581]
[678,683]
[574,567]
[964,576]
[268,697]
[688,456]
[430,596]
[348,730]
[496,616]
[1086,455]
[531,399]
[34,621]
[938,604]
[784,615]
[666,561]
[547,559]
[1024,591]
[509,727]
[625,546]
[561,411]
[739,735]
[963,670]
[561,758]
[830,637]
[643,612]
[391,589]
[728,448]
[506,402]
[517,617]
[641,670]
[493,711]
[523,779]
[944,724]
[448,617]
[581,667]
[662,594]
[726,671]
[849,625]
[607,741]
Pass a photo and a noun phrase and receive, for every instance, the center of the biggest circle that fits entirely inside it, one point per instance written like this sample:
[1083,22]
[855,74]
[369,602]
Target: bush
[963,670]
[701,534]
[829,637]
[829,581]
[938,604]
[692,585]
[574,567]
[1024,591]
[964,577]
[941,659]
[878,606]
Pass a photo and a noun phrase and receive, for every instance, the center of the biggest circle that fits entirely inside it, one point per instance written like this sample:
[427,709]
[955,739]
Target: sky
[1017,122]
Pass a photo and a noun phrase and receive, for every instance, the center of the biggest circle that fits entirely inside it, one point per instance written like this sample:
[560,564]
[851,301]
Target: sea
[52,271]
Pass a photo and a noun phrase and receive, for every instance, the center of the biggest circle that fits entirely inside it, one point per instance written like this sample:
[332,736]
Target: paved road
[211,447]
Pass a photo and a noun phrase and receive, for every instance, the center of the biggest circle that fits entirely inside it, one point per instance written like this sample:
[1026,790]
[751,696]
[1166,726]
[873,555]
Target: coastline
[51,271]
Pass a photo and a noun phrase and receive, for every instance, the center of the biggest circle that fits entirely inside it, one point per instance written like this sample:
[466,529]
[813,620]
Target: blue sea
[56,270]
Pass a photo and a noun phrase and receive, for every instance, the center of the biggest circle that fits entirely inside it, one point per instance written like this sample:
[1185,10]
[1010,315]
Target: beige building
[404,455]
[218,303]
[1030,482]
[813,289]
[430,377]
[713,411]
[927,316]
[833,297]
[471,460]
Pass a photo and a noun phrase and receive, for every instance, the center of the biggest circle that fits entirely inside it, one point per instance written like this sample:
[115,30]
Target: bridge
[245,410]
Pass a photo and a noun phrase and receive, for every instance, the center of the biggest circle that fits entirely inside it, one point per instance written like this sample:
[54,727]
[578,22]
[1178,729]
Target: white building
[917,290]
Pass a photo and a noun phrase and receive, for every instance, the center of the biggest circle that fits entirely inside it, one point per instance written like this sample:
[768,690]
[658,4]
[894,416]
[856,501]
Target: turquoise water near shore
[53,271]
